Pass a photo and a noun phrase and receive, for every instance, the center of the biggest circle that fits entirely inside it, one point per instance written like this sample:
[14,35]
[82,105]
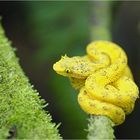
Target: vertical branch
[100,127]
[100,20]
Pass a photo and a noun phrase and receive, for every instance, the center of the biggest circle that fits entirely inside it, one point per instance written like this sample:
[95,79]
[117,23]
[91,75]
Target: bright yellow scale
[104,79]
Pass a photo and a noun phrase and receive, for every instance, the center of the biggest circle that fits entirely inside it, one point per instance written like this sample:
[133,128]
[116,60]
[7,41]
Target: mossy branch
[21,109]
[100,127]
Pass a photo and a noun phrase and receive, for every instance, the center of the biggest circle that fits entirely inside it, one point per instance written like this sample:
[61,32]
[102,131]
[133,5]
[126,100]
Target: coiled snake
[104,79]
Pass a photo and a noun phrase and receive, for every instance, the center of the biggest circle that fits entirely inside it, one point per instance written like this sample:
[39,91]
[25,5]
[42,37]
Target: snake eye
[67,71]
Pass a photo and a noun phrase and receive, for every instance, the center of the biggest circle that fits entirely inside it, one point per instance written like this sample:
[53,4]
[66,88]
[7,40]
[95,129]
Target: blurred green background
[43,31]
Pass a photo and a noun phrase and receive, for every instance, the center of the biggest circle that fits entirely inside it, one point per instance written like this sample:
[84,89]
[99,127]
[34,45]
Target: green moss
[21,109]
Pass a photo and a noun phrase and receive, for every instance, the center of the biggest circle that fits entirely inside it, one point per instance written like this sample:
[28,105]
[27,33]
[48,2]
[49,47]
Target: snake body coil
[105,81]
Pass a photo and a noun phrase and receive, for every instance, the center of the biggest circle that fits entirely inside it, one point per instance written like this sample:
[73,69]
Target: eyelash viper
[104,79]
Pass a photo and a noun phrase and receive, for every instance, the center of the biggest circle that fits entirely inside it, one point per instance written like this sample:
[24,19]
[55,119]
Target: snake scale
[103,78]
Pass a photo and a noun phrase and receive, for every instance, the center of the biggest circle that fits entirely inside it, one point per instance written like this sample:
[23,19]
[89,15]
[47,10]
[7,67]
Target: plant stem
[21,109]
[100,127]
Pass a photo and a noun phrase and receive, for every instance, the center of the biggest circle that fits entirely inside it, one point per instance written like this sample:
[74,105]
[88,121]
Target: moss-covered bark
[21,109]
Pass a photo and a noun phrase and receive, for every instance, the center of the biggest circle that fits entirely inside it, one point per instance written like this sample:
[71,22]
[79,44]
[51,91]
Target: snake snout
[57,67]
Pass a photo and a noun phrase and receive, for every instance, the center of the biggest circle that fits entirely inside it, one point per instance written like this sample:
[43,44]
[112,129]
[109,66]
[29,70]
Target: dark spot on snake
[118,113]
[104,94]
[103,73]
[85,93]
[105,108]
[124,61]
[133,98]
[92,105]
[127,78]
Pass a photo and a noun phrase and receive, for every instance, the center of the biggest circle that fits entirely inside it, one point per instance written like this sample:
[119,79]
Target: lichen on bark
[100,127]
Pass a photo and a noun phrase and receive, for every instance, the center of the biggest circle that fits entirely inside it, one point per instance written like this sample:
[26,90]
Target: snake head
[77,67]
[61,66]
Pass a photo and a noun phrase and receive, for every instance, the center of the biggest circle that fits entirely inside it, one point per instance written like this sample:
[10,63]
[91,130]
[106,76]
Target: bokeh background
[43,31]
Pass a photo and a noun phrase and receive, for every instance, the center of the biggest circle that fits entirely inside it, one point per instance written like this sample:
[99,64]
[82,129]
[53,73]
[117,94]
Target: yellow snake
[104,79]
